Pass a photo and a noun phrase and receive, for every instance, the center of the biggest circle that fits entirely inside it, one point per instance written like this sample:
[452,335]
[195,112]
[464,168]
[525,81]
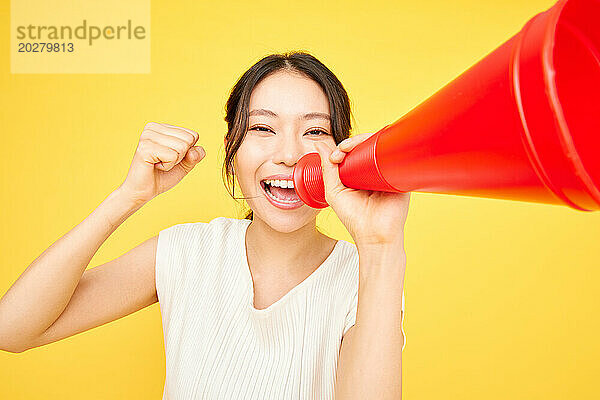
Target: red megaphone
[521,124]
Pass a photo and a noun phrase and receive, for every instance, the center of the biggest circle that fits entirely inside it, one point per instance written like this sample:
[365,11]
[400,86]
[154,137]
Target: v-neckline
[250,283]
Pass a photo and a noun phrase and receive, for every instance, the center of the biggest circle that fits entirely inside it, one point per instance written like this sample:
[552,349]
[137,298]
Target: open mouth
[281,191]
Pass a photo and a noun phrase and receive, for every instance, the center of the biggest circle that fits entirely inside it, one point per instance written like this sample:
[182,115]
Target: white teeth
[282,183]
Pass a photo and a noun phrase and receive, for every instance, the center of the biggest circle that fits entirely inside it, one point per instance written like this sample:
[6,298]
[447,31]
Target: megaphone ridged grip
[358,170]
[308,181]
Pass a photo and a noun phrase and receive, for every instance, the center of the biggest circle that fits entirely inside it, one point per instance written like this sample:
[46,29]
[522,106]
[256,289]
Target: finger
[176,143]
[163,157]
[191,132]
[337,156]
[351,142]
[193,157]
[331,177]
[346,145]
[171,130]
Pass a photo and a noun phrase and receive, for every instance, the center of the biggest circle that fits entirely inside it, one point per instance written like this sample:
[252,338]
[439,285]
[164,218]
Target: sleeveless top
[218,346]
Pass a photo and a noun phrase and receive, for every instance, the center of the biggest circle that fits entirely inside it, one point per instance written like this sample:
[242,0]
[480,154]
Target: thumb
[331,173]
[192,157]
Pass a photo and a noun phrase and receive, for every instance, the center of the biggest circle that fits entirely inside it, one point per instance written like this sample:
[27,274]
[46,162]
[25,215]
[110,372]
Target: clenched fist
[164,155]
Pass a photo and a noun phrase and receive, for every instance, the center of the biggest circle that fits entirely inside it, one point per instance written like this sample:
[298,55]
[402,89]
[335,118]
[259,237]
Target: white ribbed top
[218,346]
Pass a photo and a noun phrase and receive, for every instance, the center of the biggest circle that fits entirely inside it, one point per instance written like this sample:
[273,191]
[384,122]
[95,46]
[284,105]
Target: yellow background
[501,296]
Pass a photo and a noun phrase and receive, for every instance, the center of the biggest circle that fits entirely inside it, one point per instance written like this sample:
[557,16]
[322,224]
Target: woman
[265,307]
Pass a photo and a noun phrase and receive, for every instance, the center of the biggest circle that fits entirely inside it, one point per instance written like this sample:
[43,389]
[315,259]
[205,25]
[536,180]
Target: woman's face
[279,133]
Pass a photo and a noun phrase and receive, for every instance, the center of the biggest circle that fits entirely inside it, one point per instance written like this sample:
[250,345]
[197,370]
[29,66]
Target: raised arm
[51,300]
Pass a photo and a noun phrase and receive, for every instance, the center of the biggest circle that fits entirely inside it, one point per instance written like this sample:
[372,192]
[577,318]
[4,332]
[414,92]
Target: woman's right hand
[164,155]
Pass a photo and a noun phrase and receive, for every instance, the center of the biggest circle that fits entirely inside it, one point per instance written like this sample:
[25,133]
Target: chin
[285,221]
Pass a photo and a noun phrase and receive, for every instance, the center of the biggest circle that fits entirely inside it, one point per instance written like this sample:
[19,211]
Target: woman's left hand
[371,217]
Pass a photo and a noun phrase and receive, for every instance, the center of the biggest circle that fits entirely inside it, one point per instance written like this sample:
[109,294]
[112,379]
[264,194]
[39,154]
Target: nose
[289,149]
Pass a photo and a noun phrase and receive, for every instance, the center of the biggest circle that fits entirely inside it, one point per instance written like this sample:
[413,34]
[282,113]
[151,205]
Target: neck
[284,251]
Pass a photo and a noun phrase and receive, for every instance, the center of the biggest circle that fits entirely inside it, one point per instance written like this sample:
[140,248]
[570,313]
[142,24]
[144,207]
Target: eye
[318,130]
[314,132]
[260,128]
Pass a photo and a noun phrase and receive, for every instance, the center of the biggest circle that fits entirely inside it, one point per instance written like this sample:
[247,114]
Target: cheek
[330,140]
[251,154]
[246,164]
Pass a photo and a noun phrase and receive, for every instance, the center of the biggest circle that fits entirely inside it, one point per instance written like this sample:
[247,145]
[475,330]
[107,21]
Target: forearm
[375,370]
[44,289]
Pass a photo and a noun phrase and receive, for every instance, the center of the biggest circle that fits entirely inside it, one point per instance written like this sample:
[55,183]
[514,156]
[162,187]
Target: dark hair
[236,109]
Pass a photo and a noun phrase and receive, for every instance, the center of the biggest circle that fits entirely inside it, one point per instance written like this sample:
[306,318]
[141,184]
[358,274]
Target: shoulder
[192,232]
[349,248]
[183,248]
[345,268]
[192,226]
[347,259]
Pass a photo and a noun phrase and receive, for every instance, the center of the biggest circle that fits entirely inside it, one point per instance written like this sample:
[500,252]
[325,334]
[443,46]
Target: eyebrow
[312,115]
